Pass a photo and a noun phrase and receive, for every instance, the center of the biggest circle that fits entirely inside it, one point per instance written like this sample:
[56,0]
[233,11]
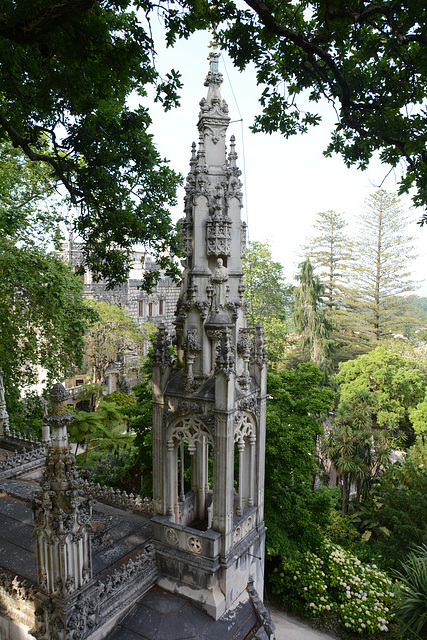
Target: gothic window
[189,441]
[141,307]
[150,309]
[161,307]
[245,440]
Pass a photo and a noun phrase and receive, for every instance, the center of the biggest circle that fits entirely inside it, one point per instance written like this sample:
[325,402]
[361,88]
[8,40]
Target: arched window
[245,440]
[191,435]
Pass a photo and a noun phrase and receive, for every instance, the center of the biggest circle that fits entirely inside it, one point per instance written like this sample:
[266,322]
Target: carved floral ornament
[191,429]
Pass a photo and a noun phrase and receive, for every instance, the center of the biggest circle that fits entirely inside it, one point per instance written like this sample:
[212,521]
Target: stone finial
[161,356]
[59,419]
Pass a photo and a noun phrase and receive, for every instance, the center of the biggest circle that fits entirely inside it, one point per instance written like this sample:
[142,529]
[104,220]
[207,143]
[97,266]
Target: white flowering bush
[303,582]
[364,596]
[335,582]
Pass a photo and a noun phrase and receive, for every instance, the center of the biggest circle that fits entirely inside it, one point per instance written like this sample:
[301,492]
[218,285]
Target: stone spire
[62,530]
[209,409]
[4,417]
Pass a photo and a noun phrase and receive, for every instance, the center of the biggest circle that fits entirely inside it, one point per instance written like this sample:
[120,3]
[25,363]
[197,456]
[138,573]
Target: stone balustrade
[244,525]
[116,497]
[23,461]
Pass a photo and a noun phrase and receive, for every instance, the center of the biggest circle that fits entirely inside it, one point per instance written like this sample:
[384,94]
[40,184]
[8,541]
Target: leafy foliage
[269,299]
[42,317]
[412,610]
[396,383]
[358,449]
[329,250]
[311,316]
[101,430]
[68,70]
[294,514]
[382,272]
[396,511]
[110,337]
[368,62]
[334,582]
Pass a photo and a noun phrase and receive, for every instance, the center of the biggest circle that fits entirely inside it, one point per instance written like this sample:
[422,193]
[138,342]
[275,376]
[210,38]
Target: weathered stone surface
[162,616]
[210,405]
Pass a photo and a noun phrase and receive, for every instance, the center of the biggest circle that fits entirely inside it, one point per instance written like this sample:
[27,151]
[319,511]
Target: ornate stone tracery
[219,379]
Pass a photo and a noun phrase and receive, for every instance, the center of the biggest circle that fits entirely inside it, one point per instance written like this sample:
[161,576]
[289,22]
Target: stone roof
[119,536]
[160,615]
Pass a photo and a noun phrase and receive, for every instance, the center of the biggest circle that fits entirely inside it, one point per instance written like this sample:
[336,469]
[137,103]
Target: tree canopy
[113,335]
[395,383]
[297,406]
[268,298]
[42,314]
[67,71]
[368,61]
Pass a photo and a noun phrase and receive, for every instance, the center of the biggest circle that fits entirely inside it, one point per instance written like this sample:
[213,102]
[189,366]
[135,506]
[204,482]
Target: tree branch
[36,29]
[19,141]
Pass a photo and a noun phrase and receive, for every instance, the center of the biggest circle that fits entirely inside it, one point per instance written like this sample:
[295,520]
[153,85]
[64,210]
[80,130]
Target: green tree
[396,384]
[30,208]
[112,336]
[357,448]
[394,517]
[329,250]
[268,297]
[382,272]
[418,417]
[412,607]
[42,317]
[366,61]
[68,70]
[310,315]
[294,514]
[101,431]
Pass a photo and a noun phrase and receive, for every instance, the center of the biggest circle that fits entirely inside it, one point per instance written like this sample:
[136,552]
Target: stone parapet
[116,497]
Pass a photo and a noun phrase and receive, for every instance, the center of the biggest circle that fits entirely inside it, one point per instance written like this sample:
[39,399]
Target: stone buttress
[209,404]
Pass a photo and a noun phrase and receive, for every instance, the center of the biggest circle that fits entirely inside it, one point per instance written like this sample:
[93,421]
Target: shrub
[361,597]
[412,609]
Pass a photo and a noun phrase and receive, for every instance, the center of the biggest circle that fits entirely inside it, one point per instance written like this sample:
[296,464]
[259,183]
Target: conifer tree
[330,252]
[382,273]
[310,315]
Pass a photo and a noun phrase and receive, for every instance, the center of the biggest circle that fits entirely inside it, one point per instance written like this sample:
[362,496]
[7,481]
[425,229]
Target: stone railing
[124,575]
[244,525]
[20,462]
[116,498]
[102,602]
[17,602]
[198,543]
[22,438]
[15,588]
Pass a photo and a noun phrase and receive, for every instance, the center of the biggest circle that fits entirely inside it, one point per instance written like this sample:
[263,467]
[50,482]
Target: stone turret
[62,531]
[209,406]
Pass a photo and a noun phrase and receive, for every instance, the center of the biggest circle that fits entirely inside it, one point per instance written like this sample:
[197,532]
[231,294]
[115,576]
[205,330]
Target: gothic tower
[209,404]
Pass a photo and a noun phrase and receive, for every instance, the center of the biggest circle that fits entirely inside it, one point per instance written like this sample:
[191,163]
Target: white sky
[286,182]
